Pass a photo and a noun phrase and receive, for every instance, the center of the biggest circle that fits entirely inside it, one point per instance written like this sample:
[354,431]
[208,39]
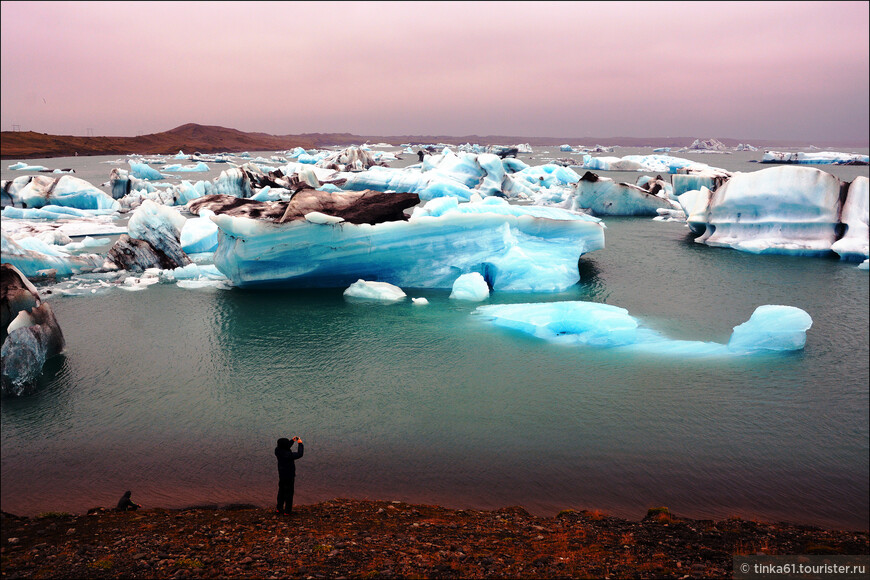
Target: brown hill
[213,139]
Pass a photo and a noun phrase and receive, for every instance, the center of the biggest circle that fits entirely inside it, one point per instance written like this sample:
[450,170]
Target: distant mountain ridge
[193,137]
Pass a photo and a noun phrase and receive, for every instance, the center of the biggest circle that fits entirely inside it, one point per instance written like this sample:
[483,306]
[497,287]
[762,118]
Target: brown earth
[212,139]
[377,539]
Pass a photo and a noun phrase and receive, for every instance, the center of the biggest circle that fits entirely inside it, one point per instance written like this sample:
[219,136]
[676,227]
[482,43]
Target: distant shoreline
[191,138]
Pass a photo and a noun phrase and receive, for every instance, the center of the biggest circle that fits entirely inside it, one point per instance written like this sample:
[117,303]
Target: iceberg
[515,248]
[176,168]
[66,191]
[771,328]
[695,180]
[36,258]
[381,291]
[855,216]
[783,210]
[199,234]
[21,166]
[153,239]
[604,197]
[144,171]
[816,158]
[471,287]
[706,146]
[30,333]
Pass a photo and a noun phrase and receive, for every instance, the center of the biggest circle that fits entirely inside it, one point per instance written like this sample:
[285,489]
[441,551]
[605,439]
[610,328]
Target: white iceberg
[176,168]
[771,328]
[787,210]
[381,291]
[604,197]
[470,287]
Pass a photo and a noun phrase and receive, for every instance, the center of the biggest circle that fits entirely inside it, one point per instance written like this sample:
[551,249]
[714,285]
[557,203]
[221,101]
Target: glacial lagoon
[179,394]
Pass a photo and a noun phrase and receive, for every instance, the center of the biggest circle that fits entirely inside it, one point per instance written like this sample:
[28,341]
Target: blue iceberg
[144,171]
[515,248]
[771,328]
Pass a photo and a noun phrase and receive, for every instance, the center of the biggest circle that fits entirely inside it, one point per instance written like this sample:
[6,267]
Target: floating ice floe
[66,191]
[515,248]
[21,166]
[419,301]
[470,287]
[745,147]
[771,328]
[782,210]
[815,158]
[176,168]
[380,291]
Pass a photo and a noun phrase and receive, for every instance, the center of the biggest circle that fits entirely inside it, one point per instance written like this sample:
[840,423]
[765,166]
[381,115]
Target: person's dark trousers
[285,495]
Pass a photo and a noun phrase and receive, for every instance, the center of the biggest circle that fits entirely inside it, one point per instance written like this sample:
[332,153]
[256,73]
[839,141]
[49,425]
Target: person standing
[287,472]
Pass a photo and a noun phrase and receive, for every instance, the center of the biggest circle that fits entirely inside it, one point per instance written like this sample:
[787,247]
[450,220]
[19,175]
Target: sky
[743,70]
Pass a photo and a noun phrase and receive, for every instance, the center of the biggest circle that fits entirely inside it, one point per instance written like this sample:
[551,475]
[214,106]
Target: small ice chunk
[471,287]
[772,327]
[419,301]
[382,291]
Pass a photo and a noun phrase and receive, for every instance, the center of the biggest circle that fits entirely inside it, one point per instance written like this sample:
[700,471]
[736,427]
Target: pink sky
[742,70]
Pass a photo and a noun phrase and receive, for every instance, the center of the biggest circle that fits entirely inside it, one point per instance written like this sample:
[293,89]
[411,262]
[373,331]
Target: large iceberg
[514,248]
[785,210]
[771,328]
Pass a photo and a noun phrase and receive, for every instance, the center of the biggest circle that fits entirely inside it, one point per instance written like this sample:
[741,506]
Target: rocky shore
[378,539]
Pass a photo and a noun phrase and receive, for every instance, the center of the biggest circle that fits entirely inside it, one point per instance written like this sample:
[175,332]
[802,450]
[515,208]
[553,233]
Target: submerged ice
[771,328]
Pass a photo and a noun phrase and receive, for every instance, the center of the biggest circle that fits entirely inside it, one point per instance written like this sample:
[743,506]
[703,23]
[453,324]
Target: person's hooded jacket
[287,457]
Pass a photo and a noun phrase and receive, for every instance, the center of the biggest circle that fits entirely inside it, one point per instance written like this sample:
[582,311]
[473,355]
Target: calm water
[179,395]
